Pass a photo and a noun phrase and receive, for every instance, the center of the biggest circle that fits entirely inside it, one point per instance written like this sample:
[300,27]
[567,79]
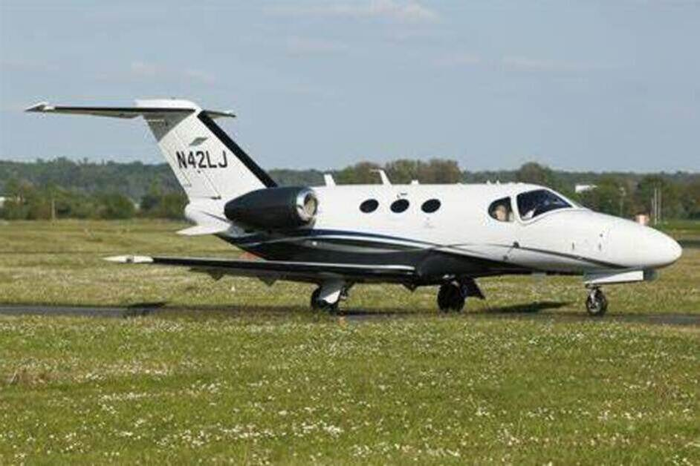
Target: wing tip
[220,113]
[39,107]
[199,230]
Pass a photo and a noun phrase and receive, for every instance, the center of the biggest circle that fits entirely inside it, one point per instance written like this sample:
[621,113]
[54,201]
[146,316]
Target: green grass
[234,371]
[680,228]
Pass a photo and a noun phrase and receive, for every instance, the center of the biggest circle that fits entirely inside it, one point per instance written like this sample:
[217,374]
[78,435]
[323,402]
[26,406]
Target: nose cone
[671,251]
[659,250]
[634,245]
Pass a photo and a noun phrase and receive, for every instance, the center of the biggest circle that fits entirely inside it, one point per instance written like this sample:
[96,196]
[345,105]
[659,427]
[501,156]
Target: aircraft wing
[279,270]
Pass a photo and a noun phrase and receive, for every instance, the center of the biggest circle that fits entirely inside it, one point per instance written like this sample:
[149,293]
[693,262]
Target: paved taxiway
[691,320]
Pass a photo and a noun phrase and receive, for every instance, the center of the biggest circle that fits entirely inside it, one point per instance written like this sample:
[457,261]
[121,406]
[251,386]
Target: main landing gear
[318,304]
[452,295]
[328,295]
[596,303]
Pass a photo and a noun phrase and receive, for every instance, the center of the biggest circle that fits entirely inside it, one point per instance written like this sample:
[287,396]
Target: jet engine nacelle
[273,208]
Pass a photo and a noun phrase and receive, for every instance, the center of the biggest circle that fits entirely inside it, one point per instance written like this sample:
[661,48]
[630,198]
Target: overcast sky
[594,85]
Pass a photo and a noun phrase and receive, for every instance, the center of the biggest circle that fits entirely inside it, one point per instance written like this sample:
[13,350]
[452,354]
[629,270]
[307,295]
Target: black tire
[596,303]
[316,303]
[450,298]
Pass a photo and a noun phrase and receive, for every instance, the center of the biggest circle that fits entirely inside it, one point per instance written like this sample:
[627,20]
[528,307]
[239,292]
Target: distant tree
[670,193]
[610,196]
[535,173]
[13,209]
[73,188]
[172,206]
[151,203]
[503,176]
[116,206]
[690,197]
[360,173]
[25,202]
[156,203]
[131,179]
[73,204]
[440,171]
[403,170]
[297,177]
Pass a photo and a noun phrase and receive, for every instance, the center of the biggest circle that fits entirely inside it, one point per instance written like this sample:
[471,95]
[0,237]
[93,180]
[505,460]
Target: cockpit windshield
[534,203]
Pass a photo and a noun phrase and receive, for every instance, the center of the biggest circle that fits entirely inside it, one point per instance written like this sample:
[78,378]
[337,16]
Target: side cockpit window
[534,203]
[501,210]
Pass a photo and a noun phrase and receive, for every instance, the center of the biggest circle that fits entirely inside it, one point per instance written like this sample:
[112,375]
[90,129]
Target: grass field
[234,371]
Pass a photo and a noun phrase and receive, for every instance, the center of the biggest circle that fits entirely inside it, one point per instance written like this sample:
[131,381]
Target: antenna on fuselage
[328,179]
[382,176]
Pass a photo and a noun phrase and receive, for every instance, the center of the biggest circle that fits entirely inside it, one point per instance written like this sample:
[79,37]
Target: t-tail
[206,161]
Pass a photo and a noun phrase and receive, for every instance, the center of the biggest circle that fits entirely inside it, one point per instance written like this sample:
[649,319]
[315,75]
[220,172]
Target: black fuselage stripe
[257,240]
[369,244]
[261,238]
[355,242]
[261,174]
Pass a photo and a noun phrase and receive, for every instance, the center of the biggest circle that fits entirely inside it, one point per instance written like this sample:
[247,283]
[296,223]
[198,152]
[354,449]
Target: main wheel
[596,303]
[450,298]
[315,299]
[318,304]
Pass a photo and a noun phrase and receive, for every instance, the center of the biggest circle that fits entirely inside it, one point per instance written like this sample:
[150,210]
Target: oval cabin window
[430,206]
[399,206]
[370,205]
[501,210]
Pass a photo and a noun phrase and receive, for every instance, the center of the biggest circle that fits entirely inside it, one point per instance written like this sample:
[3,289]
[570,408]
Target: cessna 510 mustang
[414,235]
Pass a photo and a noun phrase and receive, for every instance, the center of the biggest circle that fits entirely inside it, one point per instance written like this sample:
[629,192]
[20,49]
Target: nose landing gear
[596,303]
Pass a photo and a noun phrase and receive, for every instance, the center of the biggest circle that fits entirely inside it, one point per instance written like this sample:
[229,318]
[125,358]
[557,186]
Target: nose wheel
[596,303]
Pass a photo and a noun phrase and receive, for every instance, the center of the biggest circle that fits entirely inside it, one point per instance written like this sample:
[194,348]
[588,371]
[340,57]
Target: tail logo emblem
[200,159]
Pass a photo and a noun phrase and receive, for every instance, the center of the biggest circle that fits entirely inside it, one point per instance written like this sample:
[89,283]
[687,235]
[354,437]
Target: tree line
[62,188]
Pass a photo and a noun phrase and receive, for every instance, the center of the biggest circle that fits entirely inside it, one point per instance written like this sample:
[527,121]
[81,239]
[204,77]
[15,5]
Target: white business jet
[414,235]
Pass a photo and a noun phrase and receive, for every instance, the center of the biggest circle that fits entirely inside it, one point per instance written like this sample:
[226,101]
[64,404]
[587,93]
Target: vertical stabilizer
[206,161]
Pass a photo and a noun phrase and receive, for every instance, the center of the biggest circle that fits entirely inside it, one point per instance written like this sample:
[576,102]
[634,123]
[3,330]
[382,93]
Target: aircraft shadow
[163,307]
[526,308]
[518,311]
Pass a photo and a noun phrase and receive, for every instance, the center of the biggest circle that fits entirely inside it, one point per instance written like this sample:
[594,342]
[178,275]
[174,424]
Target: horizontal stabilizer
[167,107]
